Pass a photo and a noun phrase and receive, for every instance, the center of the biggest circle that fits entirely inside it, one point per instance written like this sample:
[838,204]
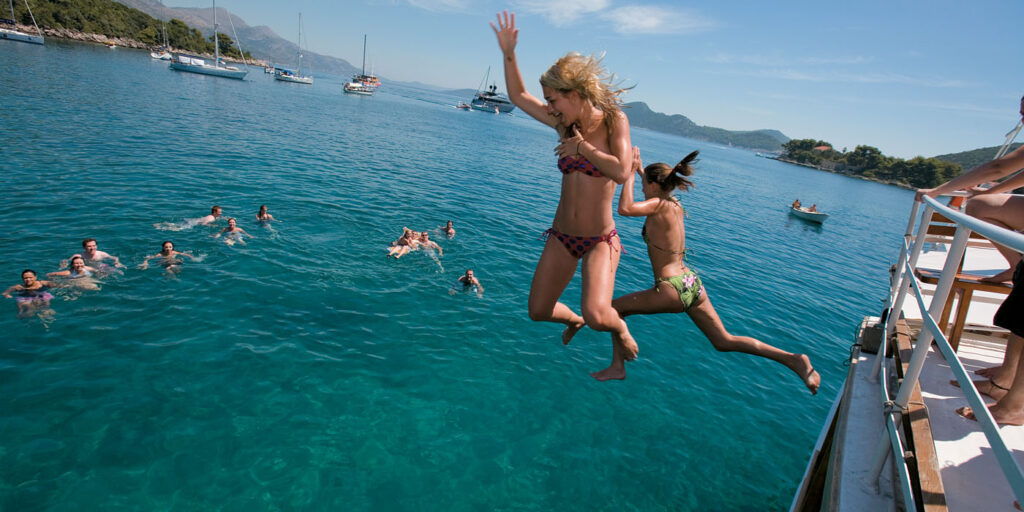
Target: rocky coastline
[124,42]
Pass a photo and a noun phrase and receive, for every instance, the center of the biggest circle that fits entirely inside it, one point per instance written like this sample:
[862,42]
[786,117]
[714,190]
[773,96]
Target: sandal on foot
[956,384]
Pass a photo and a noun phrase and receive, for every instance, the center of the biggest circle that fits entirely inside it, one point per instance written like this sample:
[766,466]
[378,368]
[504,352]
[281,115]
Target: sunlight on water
[305,370]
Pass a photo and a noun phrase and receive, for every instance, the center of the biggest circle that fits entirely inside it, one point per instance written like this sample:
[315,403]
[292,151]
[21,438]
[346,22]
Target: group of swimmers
[411,240]
[83,270]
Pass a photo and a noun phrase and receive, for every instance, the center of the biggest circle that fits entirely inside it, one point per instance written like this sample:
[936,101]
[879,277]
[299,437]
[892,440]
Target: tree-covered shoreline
[869,163]
[79,19]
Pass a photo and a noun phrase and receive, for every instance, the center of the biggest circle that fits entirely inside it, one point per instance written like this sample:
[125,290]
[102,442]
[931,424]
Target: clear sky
[910,77]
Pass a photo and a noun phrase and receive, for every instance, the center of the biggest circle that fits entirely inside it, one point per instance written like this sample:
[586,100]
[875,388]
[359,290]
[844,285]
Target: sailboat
[362,83]
[163,54]
[193,64]
[490,100]
[286,75]
[9,28]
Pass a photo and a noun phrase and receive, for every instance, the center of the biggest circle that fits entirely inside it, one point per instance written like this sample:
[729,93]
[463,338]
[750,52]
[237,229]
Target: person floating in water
[169,259]
[262,215]
[215,213]
[449,230]
[92,255]
[409,241]
[677,288]
[469,282]
[79,275]
[32,295]
[593,156]
[232,233]
[426,243]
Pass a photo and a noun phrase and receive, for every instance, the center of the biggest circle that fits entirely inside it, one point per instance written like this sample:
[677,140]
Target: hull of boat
[817,217]
[294,79]
[160,56]
[235,73]
[359,89]
[488,106]
[14,35]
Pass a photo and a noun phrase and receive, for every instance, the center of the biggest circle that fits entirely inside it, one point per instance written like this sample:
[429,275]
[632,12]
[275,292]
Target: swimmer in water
[233,233]
[469,283]
[449,230]
[32,294]
[79,275]
[92,255]
[262,215]
[427,243]
[405,243]
[677,288]
[169,258]
[215,213]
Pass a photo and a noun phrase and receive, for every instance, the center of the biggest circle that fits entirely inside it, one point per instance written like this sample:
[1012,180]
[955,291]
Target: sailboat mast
[300,45]
[364,54]
[216,42]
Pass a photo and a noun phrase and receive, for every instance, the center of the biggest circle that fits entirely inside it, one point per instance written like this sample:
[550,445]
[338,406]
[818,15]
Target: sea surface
[306,371]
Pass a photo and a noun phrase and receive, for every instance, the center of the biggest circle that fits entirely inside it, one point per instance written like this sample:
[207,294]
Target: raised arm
[627,207]
[508,35]
[984,173]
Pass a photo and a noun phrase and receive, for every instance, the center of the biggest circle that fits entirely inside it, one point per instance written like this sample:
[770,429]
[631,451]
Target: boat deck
[971,477]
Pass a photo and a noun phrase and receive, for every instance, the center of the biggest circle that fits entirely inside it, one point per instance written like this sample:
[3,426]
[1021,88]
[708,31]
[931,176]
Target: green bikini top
[647,241]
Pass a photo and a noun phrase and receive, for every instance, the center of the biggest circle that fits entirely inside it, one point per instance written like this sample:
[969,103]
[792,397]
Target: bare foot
[570,331]
[988,372]
[1002,417]
[802,366]
[987,387]
[610,373]
[628,345]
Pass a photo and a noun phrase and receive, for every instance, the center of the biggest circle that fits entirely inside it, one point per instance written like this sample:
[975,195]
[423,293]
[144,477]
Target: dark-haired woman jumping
[677,288]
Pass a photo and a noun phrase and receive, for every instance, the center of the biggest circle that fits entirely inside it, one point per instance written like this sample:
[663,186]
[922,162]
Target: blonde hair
[586,76]
[669,178]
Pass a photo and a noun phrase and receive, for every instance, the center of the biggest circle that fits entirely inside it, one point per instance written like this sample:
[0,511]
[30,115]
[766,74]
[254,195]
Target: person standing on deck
[1004,383]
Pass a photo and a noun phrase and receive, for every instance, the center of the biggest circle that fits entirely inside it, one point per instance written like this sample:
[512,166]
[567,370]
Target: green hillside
[641,116]
[971,159]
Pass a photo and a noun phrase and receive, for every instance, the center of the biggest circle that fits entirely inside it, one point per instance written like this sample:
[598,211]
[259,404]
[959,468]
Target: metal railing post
[896,306]
[924,339]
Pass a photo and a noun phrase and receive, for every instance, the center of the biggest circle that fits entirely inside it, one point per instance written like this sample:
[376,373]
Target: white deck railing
[903,281]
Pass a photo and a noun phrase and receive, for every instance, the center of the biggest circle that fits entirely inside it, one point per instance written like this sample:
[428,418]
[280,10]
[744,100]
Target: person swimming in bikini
[262,215]
[79,275]
[677,288]
[169,259]
[232,233]
[449,230]
[32,295]
[408,241]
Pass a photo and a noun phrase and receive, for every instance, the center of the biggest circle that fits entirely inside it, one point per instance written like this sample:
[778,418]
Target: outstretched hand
[506,31]
[570,146]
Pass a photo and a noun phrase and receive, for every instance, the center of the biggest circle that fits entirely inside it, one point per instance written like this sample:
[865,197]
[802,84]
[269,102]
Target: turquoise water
[305,371]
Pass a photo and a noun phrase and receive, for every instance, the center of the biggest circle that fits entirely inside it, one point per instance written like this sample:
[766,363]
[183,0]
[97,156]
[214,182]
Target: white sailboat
[193,64]
[286,75]
[9,28]
[163,54]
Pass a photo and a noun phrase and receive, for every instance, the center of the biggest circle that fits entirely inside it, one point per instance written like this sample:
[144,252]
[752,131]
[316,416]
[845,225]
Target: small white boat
[296,77]
[808,215]
[358,88]
[9,28]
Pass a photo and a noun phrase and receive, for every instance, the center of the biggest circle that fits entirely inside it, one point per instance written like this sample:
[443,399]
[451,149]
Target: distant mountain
[975,157]
[640,115]
[261,41]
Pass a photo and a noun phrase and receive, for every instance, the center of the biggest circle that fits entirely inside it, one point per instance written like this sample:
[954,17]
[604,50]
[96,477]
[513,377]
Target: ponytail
[675,177]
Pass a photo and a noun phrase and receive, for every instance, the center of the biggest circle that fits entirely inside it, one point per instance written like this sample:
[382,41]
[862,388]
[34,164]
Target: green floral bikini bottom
[688,285]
